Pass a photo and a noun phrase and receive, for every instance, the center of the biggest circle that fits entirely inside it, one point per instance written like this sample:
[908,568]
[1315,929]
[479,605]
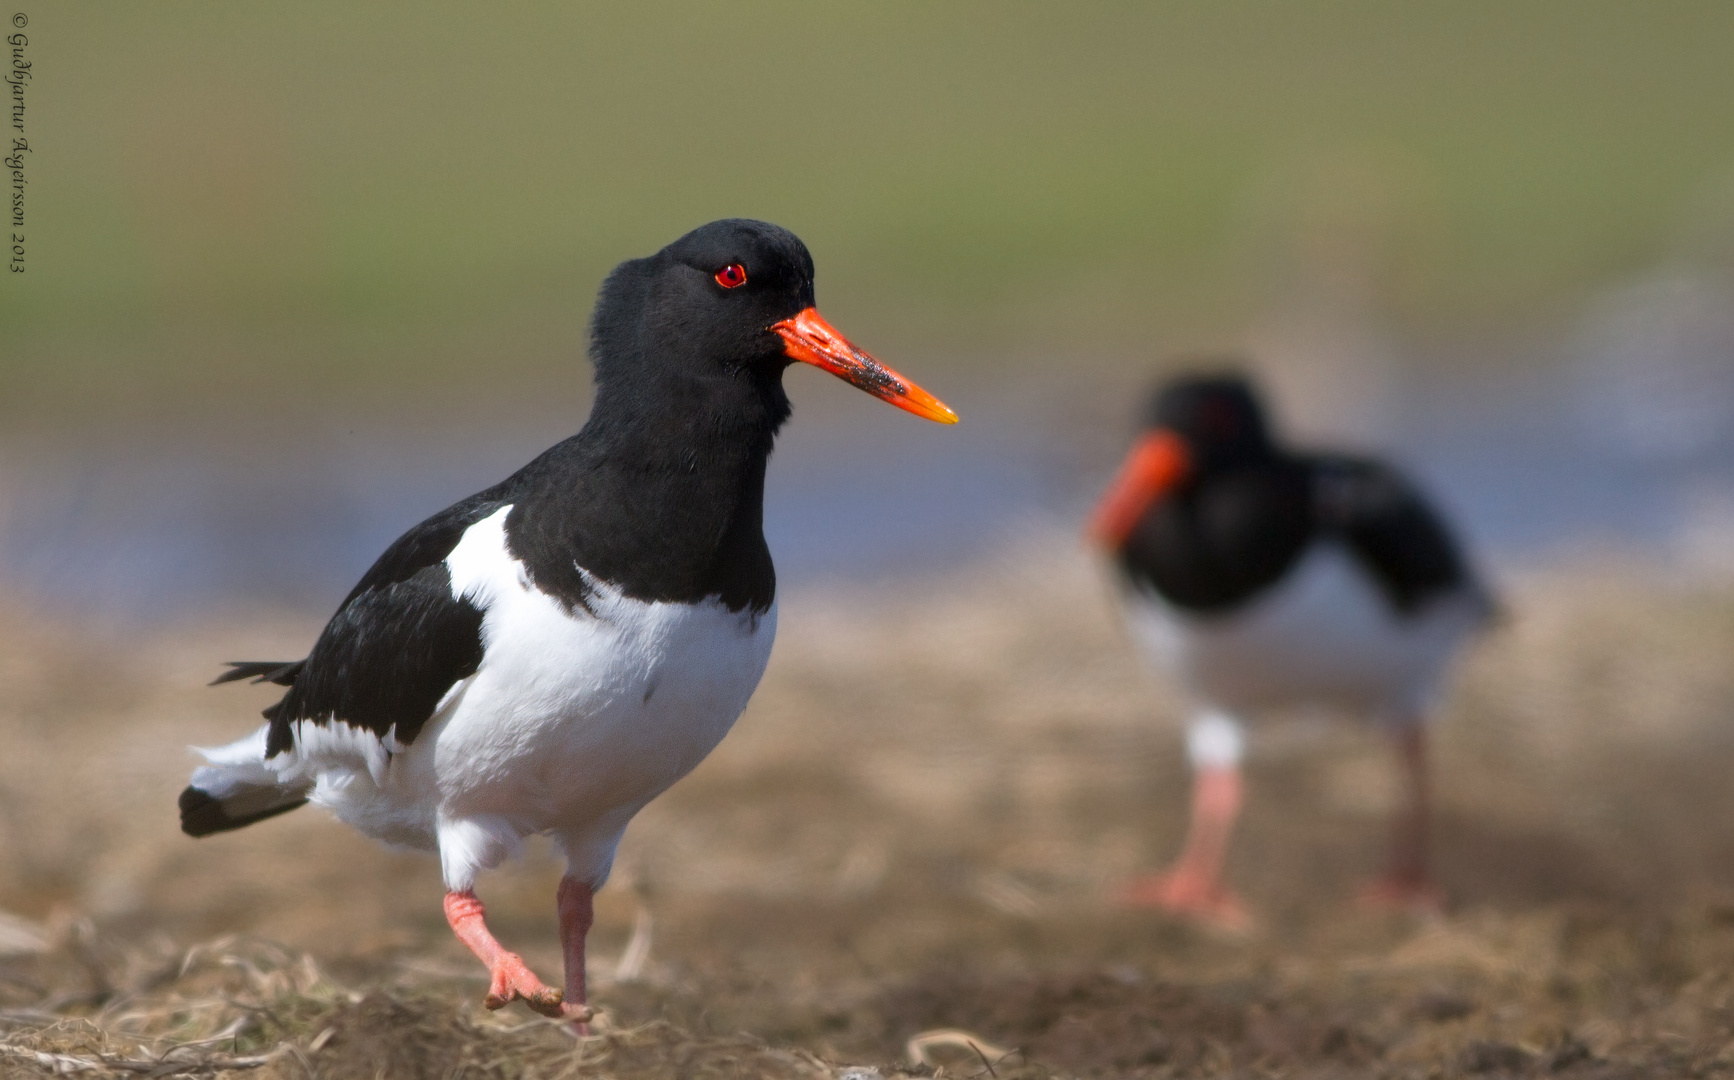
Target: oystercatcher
[1261,577]
[550,654]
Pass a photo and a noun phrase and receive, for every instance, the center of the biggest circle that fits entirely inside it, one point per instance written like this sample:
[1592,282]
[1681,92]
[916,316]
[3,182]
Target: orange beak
[1157,463]
[807,337]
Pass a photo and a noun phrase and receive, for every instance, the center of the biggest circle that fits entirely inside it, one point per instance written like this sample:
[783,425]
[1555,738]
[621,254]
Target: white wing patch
[482,562]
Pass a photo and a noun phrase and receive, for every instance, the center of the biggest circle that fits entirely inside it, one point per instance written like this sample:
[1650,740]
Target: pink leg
[510,979]
[1407,883]
[1193,885]
[577,913]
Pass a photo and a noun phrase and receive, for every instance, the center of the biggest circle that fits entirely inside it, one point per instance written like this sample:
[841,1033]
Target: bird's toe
[547,1001]
[512,981]
[1403,893]
[1189,896]
[578,1013]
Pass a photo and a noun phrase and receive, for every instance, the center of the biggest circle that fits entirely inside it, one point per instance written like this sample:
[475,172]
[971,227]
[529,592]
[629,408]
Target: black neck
[1232,530]
[660,495]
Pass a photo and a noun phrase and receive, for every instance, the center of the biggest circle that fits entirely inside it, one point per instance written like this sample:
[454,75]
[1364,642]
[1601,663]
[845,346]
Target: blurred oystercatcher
[1261,577]
[550,654]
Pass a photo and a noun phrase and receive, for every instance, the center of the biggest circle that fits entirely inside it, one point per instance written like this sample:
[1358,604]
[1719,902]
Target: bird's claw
[545,1001]
[512,981]
[1404,893]
[578,1014]
[1189,896]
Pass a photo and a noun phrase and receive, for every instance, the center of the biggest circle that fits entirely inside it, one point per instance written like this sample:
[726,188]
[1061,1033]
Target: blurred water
[168,523]
[173,525]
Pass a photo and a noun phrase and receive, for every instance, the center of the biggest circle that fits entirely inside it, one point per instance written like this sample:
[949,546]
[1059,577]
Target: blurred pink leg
[1193,885]
[1407,883]
[577,913]
[510,980]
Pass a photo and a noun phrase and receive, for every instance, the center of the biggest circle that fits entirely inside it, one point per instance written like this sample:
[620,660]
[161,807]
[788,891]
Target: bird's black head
[1195,425]
[706,302]
[1217,415]
[729,303]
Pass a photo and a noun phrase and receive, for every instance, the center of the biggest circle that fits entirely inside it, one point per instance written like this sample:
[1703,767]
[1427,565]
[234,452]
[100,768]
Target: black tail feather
[281,672]
[203,814]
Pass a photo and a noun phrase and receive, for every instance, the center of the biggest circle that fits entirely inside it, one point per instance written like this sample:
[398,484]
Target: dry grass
[913,828]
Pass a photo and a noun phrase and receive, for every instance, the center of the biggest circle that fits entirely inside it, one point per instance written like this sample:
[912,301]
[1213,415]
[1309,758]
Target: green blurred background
[243,198]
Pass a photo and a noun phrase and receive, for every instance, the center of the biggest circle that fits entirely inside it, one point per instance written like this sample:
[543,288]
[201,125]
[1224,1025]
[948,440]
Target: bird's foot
[512,981]
[1190,896]
[1413,894]
[580,1016]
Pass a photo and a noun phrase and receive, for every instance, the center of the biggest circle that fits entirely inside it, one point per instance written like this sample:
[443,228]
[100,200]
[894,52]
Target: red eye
[732,276]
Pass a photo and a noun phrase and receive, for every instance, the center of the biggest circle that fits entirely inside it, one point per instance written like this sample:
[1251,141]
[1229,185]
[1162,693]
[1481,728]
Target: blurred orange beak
[807,337]
[1157,463]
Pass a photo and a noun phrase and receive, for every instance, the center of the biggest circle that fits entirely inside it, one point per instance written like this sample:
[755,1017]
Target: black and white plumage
[550,654]
[1259,577]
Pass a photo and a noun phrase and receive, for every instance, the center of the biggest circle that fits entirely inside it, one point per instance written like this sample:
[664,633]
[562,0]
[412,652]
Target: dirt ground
[917,826]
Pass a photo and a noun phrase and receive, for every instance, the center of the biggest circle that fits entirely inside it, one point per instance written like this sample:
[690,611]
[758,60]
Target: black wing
[1391,528]
[395,646]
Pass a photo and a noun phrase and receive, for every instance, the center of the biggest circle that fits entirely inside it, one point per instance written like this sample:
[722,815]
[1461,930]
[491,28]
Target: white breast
[1324,634]
[572,722]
